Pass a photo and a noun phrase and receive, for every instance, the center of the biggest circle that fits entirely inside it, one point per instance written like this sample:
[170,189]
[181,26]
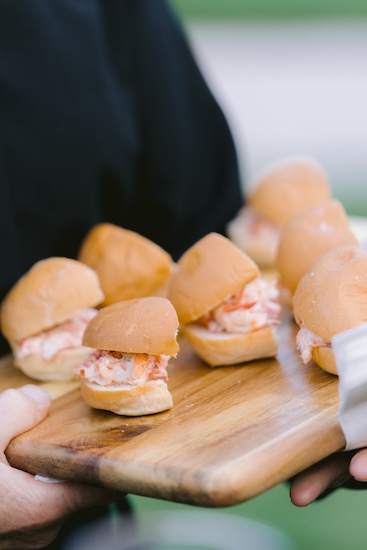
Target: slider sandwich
[307,236]
[226,309]
[277,194]
[44,316]
[128,265]
[330,298]
[132,342]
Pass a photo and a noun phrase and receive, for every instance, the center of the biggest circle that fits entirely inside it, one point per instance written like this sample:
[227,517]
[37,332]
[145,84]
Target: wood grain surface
[233,432]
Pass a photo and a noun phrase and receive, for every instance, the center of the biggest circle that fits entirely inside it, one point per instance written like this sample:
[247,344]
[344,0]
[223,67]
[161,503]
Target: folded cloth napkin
[350,349]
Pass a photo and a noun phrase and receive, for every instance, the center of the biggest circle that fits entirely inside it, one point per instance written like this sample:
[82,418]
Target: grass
[336,522]
[268,9]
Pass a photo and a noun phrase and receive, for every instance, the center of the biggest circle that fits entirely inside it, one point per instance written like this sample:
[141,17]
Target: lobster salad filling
[113,368]
[307,340]
[66,335]
[254,307]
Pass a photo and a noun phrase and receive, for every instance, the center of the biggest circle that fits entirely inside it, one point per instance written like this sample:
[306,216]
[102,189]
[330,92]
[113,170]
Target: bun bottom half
[59,368]
[220,349]
[324,357]
[149,398]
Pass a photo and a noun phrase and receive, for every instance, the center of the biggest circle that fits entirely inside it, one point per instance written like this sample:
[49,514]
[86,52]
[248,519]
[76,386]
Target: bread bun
[332,296]
[209,272]
[146,325]
[128,264]
[288,186]
[281,191]
[142,325]
[325,358]
[149,398]
[60,367]
[308,235]
[47,295]
[219,349]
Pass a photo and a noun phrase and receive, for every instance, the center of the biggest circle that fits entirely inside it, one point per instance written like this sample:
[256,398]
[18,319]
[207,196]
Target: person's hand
[345,469]
[32,511]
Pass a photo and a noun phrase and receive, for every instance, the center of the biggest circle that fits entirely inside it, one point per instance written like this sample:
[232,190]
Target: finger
[358,466]
[79,497]
[20,410]
[37,508]
[54,500]
[315,481]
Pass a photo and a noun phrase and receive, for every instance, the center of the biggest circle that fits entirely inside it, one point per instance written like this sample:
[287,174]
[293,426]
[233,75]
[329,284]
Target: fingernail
[40,396]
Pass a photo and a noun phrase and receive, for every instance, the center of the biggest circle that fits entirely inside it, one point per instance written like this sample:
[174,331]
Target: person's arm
[348,469]
[32,511]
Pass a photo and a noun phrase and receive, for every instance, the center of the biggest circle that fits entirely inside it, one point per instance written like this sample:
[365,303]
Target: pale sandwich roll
[226,309]
[330,298]
[133,341]
[44,316]
[128,264]
[307,236]
[280,191]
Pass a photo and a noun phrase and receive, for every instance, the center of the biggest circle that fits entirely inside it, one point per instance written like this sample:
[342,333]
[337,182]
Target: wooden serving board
[233,432]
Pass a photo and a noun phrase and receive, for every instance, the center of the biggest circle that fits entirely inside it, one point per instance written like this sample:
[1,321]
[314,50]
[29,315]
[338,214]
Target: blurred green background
[334,523]
[338,521]
[268,9]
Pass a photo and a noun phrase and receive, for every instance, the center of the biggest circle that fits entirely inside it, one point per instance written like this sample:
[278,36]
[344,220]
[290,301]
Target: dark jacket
[104,116]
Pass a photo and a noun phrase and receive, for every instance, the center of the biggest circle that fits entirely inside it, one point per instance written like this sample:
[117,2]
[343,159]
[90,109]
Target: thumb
[358,465]
[20,410]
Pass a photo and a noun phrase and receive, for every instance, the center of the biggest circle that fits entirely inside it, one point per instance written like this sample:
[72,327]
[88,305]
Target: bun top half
[128,264]
[332,296]
[288,186]
[307,236]
[142,325]
[49,293]
[209,272]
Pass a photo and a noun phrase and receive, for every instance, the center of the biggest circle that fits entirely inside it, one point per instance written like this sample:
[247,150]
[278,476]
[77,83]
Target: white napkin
[350,349]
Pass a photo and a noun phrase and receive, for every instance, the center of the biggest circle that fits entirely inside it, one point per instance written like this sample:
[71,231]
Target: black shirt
[104,116]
